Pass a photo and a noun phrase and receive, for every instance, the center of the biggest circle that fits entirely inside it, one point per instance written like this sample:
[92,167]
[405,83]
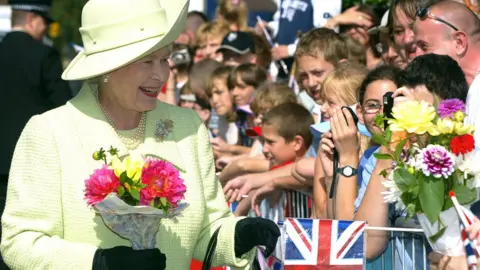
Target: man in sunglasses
[451,28]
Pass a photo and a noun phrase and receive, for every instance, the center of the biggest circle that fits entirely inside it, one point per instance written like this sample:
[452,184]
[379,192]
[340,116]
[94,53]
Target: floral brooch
[163,129]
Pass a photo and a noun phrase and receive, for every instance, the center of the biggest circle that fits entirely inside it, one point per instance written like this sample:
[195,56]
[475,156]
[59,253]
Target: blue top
[295,15]
[414,247]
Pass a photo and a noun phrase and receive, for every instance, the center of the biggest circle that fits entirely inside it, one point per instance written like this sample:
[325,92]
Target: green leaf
[414,191]
[135,194]
[404,179]
[384,174]
[464,194]
[383,156]
[399,147]
[163,201]
[388,135]
[121,191]
[448,204]
[379,139]
[129,181]
[123,178]
[431,196]
[410,210]
[436,236]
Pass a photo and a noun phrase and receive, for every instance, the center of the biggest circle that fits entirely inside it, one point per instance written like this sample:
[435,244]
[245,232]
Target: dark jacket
[30,84]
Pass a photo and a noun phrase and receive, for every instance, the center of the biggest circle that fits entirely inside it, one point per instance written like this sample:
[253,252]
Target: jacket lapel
[155,146]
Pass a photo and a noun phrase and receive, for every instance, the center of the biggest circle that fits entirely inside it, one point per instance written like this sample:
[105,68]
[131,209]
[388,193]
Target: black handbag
[212,245]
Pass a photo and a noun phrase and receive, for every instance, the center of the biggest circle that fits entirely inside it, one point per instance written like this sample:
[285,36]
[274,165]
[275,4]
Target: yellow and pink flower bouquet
[432,154]
[133,194]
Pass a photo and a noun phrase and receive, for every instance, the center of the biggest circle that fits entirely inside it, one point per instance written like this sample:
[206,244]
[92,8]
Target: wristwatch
[347,171]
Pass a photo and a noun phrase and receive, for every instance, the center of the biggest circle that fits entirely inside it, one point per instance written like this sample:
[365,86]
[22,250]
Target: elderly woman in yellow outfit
[47,224]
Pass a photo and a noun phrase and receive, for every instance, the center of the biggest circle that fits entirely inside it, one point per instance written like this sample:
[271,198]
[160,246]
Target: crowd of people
[272,153]
[278,101]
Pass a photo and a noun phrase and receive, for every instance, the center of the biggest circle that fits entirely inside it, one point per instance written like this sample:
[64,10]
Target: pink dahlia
[449,107]
[163,181]
[435,160]
[101,183]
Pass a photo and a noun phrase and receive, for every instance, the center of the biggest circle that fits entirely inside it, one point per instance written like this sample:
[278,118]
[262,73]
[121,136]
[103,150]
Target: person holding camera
[422,80]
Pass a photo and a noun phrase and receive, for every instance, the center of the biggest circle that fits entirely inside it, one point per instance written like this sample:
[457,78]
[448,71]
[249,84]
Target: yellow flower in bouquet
[413,117]
[462,129]
[445,126]
[132,165]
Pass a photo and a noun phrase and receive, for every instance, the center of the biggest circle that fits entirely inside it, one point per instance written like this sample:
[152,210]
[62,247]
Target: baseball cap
[238,42]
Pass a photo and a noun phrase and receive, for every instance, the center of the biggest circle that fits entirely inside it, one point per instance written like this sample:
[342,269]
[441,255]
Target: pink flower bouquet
[133,194]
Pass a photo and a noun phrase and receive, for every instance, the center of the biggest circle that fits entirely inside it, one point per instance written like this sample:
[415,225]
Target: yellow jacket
[47,224]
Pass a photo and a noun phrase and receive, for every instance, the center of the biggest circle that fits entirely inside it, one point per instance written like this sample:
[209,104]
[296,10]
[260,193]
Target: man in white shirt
[451,28]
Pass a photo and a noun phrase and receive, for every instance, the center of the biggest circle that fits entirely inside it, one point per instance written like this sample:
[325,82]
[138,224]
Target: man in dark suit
[30,77]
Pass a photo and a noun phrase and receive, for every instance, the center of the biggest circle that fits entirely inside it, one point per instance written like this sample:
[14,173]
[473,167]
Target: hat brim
[90,66]
[233,49]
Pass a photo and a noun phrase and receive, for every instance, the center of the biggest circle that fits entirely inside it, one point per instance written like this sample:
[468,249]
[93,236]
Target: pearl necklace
[131,143]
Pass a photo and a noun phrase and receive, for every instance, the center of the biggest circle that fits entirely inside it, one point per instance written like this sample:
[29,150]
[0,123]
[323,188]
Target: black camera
[181,57]
[387,107]
[354,115]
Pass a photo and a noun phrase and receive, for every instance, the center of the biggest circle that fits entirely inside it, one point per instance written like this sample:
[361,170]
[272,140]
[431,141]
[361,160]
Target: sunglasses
[424,13]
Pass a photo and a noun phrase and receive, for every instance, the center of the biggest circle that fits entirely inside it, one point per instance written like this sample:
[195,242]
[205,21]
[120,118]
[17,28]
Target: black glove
[252,232]
[121,257]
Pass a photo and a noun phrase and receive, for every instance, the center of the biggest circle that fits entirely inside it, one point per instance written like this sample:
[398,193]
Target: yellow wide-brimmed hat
[116,33]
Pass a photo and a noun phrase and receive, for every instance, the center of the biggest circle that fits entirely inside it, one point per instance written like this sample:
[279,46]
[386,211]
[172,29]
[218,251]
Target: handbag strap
[212,245]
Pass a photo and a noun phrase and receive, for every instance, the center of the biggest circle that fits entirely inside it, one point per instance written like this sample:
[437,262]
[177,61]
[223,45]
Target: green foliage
[431,196]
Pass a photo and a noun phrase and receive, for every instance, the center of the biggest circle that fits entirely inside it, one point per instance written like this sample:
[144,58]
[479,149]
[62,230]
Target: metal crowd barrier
[403,243]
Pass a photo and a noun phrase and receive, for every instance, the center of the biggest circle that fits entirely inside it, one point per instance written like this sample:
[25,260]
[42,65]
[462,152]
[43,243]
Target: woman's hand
[353,16]
[326,153]
[252,232]
[265,191]
[122,257]
[442,262]
[345,134]
[219,145]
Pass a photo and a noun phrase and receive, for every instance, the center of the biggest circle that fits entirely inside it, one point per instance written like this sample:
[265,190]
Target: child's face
[373,102]
[329,104]
[187,104]
[275,148]
[312,71]
[242,93]
[209,48]
[204,114]
[221,98]
[257,121]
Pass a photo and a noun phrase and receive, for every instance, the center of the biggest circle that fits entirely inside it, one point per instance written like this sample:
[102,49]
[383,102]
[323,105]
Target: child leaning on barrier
[286,136]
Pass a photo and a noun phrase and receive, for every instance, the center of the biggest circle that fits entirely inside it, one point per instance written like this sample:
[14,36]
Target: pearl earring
[105,78]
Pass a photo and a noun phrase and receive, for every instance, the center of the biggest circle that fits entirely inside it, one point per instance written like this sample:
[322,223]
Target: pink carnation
[163,181]
[101,183]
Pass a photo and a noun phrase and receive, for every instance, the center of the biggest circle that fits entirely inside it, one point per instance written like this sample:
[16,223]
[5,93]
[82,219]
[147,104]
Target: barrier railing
[406,250]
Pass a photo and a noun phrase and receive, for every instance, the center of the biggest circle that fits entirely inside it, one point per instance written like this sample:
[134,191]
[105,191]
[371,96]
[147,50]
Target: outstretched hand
[252,232]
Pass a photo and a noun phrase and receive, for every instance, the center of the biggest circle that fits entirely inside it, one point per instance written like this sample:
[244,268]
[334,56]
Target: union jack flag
[313,244]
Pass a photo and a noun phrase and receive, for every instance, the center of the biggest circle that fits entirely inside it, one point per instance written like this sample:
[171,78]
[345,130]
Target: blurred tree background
[68,14]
